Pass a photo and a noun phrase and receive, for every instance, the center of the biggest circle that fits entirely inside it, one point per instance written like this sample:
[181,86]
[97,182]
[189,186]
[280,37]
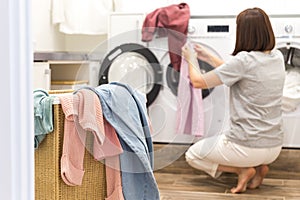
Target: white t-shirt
[256,82]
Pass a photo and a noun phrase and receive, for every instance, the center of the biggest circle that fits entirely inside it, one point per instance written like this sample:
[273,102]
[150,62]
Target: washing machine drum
[291,57]
[134,65]
[291,90]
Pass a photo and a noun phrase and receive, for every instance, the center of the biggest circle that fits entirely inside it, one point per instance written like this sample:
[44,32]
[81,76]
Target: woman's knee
[189,156]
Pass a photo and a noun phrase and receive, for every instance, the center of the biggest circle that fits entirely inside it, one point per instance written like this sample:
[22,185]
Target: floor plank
[186,195]
[189,186]
[177,180]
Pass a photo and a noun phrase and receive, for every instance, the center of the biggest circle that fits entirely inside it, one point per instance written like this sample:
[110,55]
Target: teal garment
[43,117]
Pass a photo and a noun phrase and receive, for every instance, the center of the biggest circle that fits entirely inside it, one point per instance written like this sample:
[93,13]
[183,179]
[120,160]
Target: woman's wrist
[214,61]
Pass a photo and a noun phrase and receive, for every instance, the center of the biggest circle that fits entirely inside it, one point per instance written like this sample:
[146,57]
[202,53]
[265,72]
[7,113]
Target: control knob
[191,29]
[288,28]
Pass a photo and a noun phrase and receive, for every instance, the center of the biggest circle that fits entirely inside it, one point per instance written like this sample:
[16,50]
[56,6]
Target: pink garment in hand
[190,116]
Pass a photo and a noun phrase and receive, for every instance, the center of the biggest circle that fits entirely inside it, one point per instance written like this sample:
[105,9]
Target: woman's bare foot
[244,176]
[257,180]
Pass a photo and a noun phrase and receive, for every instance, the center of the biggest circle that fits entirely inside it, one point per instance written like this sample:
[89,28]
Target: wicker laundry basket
[48,182]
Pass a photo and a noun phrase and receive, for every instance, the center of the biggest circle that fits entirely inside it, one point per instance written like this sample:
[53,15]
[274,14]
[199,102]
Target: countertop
[65,56]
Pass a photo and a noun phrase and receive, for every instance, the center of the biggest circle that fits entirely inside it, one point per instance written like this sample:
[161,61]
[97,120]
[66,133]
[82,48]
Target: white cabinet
[41,75]
[65,74]
[125,28]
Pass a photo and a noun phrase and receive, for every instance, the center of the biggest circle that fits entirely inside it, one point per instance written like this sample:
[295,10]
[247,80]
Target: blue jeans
[125,110]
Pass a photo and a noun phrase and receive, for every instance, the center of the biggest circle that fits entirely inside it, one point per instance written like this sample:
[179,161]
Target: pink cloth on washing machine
[190,116]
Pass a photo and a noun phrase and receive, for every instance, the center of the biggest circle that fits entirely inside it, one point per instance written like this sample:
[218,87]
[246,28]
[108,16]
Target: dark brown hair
[253,31]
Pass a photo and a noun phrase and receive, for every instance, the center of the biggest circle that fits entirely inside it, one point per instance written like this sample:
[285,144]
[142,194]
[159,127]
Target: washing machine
[287,33]
[147,68]
[218,36]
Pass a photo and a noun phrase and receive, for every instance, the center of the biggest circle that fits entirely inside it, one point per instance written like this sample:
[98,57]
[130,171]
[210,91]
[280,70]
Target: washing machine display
[287,33]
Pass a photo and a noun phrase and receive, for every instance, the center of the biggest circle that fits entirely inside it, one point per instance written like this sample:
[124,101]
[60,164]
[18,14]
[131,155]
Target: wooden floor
[178,181]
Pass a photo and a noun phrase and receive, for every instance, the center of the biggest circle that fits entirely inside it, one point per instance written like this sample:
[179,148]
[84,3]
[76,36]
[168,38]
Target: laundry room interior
[100,87]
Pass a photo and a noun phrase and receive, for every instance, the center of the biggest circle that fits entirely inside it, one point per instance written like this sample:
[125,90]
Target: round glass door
[291,91]
[134,65]
[133,69]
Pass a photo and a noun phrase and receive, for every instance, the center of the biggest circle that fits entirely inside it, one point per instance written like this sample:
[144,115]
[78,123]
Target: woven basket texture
[48,182]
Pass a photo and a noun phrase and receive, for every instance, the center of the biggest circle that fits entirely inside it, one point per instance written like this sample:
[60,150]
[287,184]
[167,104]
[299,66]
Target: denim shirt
[125,110]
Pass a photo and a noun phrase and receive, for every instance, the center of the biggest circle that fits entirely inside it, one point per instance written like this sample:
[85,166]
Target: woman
[255,75]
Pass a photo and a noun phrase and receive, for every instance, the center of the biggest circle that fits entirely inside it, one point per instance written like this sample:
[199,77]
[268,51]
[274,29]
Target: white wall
[46,36]
[233,7]
[272,7]
[83,43]
[213,7]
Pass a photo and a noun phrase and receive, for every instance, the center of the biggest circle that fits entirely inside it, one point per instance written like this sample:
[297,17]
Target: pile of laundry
[116,116]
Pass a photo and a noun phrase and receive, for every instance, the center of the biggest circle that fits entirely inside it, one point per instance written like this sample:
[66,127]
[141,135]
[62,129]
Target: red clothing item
[171,21]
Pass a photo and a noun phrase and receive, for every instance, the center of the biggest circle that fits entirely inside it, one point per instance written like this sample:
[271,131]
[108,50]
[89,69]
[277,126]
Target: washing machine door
[291,53]
[135,65]
[291,93]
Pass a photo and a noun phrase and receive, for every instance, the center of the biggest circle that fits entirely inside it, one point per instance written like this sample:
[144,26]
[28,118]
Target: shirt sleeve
[232,70]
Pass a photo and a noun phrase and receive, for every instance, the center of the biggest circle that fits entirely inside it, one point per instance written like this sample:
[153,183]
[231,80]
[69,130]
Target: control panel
[211,27]
[286,27]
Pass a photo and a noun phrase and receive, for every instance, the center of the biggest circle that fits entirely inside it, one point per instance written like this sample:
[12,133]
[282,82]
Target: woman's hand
[206,56]
[188,53]
[202,53]
[197,79]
